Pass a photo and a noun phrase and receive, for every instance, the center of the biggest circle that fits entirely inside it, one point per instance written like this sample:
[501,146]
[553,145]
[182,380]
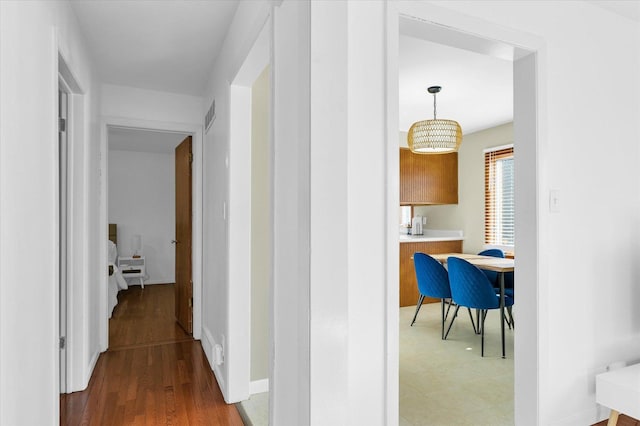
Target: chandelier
[435,136]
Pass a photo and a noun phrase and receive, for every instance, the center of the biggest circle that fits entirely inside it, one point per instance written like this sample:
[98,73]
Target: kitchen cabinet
[428,179]
[408,285]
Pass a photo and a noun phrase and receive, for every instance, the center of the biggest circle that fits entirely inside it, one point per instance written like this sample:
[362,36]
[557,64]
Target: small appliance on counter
[416,225]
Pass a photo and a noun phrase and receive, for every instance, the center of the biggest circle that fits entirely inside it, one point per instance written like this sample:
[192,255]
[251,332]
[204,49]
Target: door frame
[529,68]
[64,196]
[195,130]
[239,384]
[77,201]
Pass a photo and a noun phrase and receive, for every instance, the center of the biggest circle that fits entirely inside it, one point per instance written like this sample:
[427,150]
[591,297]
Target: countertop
[432,235]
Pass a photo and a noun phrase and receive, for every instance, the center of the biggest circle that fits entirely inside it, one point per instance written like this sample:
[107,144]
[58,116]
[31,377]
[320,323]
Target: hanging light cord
[434,106]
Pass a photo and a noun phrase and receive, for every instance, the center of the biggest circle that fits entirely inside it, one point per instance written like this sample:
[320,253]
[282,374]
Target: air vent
[210,117]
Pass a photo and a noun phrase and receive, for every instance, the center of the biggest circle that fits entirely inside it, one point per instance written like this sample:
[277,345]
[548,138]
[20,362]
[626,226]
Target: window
[499,200]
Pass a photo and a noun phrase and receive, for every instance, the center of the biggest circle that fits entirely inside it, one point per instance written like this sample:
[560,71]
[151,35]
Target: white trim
[392,337]
[194,129]
[78,366]
[259,386]
[208,345]
[89,372]
[497,148]
[238,347]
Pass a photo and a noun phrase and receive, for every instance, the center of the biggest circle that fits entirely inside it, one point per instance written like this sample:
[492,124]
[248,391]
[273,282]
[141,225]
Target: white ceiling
[171,45]
[160,45]
[123,139]
[477,89]
[627,8]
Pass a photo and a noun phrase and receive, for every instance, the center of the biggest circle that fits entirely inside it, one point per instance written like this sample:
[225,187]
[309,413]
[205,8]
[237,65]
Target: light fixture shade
[434,136]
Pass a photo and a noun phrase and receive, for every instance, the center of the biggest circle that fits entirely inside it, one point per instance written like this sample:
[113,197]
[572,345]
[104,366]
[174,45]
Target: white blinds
[499,196]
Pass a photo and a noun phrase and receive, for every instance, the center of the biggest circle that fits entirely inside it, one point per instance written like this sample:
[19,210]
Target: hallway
[153,373]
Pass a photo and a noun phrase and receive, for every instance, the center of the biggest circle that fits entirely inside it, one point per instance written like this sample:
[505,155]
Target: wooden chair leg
[613,418]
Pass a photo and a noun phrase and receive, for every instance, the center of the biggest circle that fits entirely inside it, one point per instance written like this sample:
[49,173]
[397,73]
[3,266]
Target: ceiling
[171,45]
[168,46]
[477,89]
[627,8]
[137,140]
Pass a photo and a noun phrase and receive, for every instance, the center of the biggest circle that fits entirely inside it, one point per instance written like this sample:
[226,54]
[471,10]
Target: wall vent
[210,117]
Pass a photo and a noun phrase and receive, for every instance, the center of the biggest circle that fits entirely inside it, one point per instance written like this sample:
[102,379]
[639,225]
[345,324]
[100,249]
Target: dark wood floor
[145,316]
[152,374]
[622,421]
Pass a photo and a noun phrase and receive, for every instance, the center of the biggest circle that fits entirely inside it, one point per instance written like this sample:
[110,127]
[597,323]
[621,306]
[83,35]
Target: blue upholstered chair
[491,275]
[433,281]
[471,288]
[493,278]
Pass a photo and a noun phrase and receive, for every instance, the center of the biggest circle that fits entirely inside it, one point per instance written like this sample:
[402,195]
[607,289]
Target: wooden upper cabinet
[428,179]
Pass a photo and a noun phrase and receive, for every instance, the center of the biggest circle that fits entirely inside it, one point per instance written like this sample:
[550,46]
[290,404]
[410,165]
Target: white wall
[334,354]
[468,214]
[225,206]
[152,105]
[593,238]
[142,202]
[30,35]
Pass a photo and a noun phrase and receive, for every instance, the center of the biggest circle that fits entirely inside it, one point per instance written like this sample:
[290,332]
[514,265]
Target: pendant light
[435,136]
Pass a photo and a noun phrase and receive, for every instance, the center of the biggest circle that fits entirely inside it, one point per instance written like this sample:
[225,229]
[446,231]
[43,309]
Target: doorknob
[174,242]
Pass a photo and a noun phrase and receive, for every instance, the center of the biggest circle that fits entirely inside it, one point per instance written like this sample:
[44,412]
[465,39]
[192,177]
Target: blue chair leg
[417,308]
[455,314]
[475,330]
[445,315]
[483,315]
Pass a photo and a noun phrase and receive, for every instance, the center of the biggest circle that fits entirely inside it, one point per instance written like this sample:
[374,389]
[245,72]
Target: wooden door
[184,277]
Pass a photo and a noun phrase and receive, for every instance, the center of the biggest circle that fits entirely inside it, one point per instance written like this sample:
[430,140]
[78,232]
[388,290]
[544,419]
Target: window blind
[499,197]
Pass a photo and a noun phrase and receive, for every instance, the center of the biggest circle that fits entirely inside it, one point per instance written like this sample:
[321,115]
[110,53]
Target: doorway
[150,204]
[445,27]
[482,102]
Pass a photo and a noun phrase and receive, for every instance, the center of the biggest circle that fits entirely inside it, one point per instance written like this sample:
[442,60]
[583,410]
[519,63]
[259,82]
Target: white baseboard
[259,386]
[90,368]
[208,344]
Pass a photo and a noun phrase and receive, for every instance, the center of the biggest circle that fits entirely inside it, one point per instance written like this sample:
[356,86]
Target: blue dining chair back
[432,277]
[433,281]
[491,275]
[470,287]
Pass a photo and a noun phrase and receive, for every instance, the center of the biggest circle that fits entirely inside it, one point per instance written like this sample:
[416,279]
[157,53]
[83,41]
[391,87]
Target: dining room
[457,204]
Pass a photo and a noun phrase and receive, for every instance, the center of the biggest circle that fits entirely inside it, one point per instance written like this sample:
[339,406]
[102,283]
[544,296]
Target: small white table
[132,267]
[619,390]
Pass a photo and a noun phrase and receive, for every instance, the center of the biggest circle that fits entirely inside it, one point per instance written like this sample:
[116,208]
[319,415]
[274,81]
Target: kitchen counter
[432,235]
[432,242]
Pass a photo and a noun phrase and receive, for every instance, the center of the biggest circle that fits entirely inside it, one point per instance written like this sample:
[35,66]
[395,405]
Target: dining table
[489,263]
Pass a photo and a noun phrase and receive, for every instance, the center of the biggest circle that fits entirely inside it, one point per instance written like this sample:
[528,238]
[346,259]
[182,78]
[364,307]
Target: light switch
[554,201]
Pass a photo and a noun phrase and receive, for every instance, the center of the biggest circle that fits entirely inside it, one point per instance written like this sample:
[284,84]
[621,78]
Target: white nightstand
[132,267]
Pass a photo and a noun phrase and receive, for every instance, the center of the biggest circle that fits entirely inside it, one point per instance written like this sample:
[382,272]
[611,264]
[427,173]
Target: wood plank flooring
[622,421]
[152,374]
[144,316]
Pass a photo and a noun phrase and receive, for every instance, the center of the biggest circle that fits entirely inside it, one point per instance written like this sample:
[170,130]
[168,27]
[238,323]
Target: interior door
[184,277]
